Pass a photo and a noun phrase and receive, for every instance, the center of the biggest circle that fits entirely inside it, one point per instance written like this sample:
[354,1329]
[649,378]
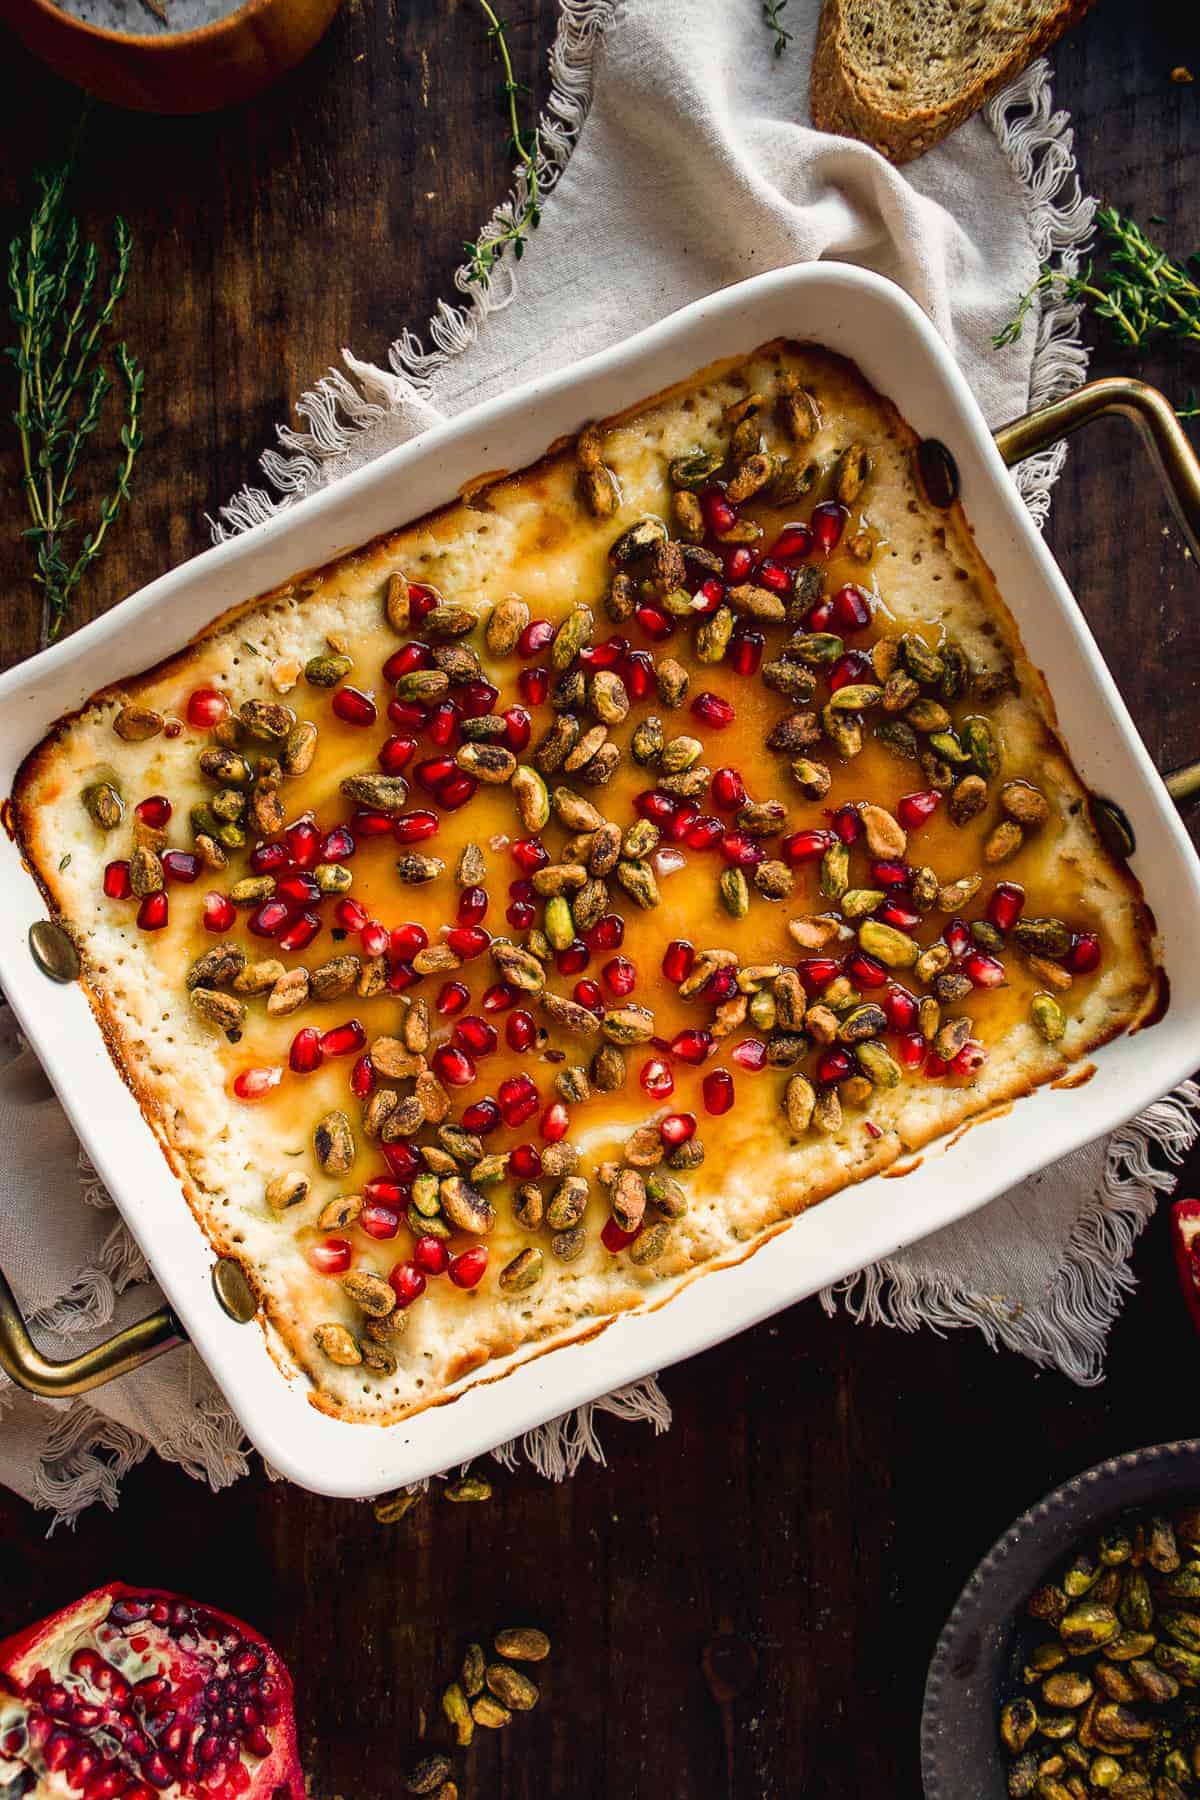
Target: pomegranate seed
[518,728]
[421,599]
[266,859]
[958,937]
[1005,905]
[657,1079]
[406,659]
[409,715]
[901,1008]
[805,846]
[206,708]
[904,918]
[741,850]
[256,1083]
[351,915]
[533,685]
[402,1160]
[691,1046]
[608,933]
[472,905]
[750,1053]
[576,956]
[152,913]
[605,655]
[720,986]
[615,1238]
[712,710]
[415,827]
[344,1040]
[710,594]
[401,977]
[1084,954]
[468,941]
[481,1117]
[728,789]
[677,961]
[376,938]
[453,1066]
[369,822]
[219,911]
[431,1256]
[717,1089]
[301,932]
[848,824]
[525,1161]
[656,624]
[686,816]
[621,975]
[456,790]
[851,609]
[834,1065]
[331,1257]
[774,577]
[432,772]
[529,854]
[656,805]
[520,915]
[354,707]
[443,726]
[407,1283]
[452,997]
[676,1129]
[854,666]
[499,997]
[396,753]
[739,561]
[555,1122]
[476,698]
[819,617]
[719,513]
[298,889]
[746,652]
[518,1099]
[535,637]
[304,842]
[362,1078]
[911,1048]
[589,994]
[403,941]
[474,1035]
[827,525]
[889,872]
[467,1269]
[913,810]
[117,887]
[816,972]
[382,1190]
[793,544]
[983,971]
[306,1053]
[970,1058]
[637,673]
[154,811]
[865,971]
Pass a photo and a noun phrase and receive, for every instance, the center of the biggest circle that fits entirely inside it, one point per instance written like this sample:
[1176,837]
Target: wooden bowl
[174,72]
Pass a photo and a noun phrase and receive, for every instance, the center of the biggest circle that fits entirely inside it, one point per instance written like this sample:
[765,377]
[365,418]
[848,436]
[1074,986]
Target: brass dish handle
[23,1362]
[1164,437]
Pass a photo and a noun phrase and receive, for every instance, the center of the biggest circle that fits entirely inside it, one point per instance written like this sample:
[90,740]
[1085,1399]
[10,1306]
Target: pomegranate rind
[50,1642]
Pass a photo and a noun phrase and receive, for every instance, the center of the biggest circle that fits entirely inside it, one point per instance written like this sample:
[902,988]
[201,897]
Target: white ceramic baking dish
[874,323]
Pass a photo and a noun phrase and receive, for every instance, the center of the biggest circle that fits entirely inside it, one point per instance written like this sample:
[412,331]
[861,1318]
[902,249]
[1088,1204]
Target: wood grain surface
[826,1487]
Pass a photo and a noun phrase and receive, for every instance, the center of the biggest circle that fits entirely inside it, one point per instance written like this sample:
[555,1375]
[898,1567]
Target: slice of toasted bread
[901,74]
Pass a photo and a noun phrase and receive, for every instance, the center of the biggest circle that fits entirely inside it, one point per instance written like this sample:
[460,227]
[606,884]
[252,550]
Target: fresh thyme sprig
[483,255]
[62,313]
[1140,291]
[772,11]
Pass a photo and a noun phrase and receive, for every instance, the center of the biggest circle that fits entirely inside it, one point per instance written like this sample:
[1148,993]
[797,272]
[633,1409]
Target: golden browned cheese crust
[529,536]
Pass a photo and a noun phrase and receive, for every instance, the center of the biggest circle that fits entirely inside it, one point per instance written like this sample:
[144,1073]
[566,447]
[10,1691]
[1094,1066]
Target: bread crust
[843,102]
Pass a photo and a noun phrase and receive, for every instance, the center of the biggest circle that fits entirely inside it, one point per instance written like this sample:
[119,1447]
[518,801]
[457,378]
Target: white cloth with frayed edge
[675,147]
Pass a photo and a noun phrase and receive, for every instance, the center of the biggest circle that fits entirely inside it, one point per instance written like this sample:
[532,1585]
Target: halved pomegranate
[137,1692]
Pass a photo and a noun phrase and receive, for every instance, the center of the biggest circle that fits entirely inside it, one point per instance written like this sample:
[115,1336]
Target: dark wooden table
[826,1487]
